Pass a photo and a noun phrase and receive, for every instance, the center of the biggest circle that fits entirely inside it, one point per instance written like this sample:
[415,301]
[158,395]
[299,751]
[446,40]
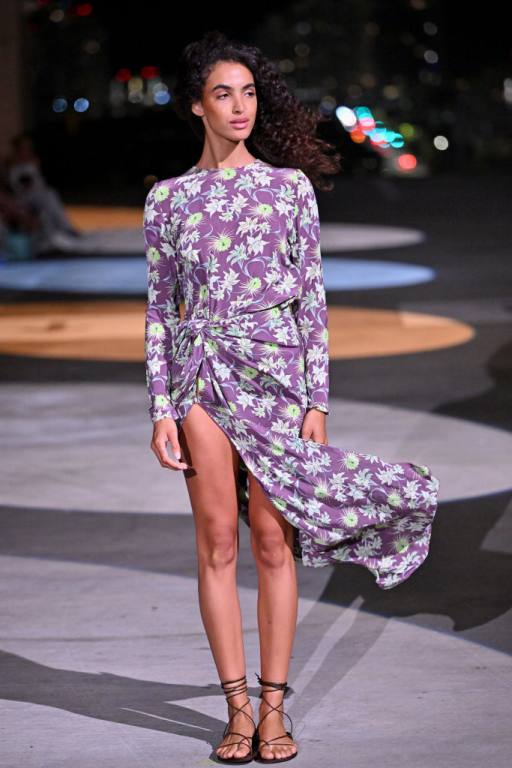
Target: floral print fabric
[240,249]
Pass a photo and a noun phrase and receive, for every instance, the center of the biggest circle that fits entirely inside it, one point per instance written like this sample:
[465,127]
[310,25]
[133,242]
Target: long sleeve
[162,311]
[311,312]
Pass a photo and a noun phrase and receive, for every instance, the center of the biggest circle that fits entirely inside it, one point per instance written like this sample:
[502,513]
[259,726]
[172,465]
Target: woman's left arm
[312,306]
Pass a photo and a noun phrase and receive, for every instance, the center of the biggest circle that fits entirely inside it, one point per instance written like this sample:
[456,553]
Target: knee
[218,549]
[270,548]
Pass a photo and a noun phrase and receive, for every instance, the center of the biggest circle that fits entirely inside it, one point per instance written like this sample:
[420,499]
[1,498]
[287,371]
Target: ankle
[238,701]
[271,699]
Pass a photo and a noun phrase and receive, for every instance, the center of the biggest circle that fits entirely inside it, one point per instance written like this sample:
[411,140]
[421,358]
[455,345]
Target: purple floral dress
[240,248]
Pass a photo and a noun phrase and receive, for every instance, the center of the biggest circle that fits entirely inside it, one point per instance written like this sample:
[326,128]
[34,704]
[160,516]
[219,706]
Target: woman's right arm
[162,317]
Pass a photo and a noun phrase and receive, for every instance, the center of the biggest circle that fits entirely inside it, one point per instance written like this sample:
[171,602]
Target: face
[229,94]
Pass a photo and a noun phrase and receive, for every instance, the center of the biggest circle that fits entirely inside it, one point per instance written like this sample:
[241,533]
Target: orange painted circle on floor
[114,330]
[94,217]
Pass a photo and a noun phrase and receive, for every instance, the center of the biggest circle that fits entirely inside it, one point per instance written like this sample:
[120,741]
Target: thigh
[265,519]
[212,476]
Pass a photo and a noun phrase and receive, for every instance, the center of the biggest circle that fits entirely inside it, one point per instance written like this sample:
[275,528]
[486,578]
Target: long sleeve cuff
[162,408]
[319,406]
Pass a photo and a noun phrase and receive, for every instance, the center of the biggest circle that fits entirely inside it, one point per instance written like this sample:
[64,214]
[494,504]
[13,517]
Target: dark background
[105,153]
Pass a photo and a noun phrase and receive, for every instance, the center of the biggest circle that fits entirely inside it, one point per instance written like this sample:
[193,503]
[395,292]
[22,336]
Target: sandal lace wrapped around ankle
[271,742]
[240,688]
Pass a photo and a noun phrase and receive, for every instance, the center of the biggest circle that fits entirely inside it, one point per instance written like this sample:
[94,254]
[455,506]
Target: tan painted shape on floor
[114,330]
[94,217]
[364,332]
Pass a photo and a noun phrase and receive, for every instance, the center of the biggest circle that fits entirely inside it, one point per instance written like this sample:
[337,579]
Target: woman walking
[238,386]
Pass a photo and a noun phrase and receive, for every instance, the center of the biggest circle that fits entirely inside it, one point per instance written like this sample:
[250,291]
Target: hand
[165,431]
[314,426]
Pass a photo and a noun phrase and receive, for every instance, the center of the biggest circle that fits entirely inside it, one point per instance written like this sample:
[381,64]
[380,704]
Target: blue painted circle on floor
[128,276]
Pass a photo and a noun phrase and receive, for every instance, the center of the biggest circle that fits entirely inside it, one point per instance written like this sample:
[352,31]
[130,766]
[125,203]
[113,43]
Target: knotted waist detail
[237,324]
[194,343]
[197,323]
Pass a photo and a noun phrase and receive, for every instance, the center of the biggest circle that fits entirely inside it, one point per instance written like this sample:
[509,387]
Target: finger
[318,436]
[176,449]
[175,446]
[169,463]
[164,458]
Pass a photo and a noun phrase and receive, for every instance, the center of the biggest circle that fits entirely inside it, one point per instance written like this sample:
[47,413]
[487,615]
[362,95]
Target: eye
[247,93]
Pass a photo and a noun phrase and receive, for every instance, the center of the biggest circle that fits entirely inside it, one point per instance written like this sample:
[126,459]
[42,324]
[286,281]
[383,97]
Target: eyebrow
[230,88]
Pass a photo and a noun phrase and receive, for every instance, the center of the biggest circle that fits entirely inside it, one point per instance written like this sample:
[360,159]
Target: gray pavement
[104,661]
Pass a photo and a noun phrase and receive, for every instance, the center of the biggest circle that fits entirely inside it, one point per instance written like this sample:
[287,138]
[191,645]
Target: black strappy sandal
[258,740]
[242,686]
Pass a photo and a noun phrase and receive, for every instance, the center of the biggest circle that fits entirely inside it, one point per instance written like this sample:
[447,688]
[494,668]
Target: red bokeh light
[357,136]
[123,75]
[83,9]
[407,162]
[148,72]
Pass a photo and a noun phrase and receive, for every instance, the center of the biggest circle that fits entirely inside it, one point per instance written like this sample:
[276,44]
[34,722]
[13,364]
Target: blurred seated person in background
[15,218]
[23,168]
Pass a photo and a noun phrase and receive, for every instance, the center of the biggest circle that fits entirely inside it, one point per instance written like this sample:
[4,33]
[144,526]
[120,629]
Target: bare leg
[272,546]
[211,484]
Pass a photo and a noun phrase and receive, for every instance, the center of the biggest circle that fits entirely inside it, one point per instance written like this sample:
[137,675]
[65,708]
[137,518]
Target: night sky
[474,39]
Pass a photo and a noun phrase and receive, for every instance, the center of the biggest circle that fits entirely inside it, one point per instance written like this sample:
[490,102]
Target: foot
[233,745]
[272,725]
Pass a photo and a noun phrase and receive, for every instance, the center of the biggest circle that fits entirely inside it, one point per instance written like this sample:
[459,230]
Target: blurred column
[11,118]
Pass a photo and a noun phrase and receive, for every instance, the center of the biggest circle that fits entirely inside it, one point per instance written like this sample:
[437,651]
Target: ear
[197,108]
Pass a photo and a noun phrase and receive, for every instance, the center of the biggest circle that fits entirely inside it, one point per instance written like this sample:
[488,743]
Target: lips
[239,123]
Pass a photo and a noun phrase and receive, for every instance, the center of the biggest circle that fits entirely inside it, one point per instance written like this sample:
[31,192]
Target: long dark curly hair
[284,132]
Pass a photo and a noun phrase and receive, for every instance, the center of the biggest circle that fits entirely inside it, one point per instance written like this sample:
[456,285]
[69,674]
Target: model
[238,385]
